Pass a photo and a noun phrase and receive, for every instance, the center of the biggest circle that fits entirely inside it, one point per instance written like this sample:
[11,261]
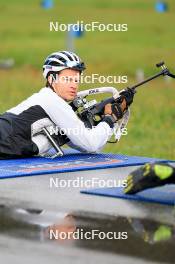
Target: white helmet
[61,60]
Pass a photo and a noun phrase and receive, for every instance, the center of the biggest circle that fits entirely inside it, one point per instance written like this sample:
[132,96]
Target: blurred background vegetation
[26,38]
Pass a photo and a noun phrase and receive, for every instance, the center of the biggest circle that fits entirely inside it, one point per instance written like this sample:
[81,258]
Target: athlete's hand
[108,110]
[115,110]
[113,113]
[127,95]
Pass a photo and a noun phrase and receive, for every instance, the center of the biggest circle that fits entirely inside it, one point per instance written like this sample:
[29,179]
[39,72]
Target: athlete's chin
[71,97]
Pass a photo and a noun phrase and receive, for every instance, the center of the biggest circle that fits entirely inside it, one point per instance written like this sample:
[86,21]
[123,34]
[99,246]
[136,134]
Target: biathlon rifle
[92,112]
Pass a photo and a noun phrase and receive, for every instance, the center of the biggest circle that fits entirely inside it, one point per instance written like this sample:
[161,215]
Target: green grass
[25,36]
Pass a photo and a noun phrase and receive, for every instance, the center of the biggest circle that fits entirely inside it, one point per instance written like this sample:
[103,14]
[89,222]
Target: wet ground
[33,214]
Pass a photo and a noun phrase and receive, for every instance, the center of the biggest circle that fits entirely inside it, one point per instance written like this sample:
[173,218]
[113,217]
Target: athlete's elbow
[92,148]
[89,144]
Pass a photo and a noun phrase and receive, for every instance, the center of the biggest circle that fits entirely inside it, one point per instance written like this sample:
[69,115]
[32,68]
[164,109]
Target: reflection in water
[146,239]
[62,231]
[152,232]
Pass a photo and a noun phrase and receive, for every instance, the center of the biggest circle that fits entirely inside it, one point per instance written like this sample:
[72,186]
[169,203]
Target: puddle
[133,237]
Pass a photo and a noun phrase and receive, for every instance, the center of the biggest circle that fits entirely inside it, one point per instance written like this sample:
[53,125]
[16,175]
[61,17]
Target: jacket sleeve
[61,113]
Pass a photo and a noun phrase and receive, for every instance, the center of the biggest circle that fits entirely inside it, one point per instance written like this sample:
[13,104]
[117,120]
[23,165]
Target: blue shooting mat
[162,195]
[70,162]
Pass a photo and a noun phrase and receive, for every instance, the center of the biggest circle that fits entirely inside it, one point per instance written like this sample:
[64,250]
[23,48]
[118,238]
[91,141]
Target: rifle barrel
[147,80]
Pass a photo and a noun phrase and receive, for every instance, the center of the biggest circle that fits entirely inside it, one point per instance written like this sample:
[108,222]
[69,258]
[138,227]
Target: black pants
[14,141]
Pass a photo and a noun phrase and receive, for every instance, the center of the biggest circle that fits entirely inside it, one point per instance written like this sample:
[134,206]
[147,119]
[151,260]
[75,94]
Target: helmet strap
[53,79]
